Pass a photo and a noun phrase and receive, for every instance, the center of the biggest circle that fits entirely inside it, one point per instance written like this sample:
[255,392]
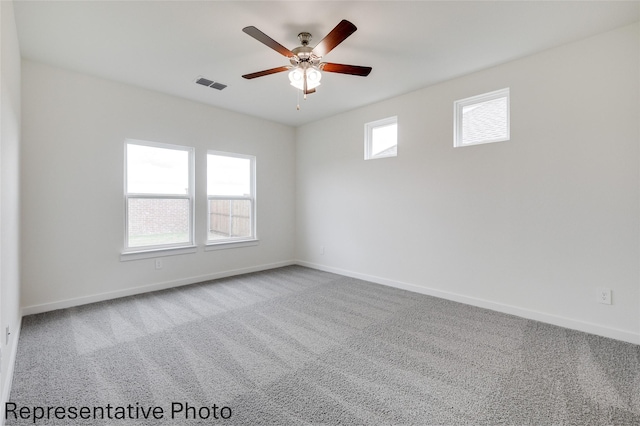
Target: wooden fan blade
[268,41]
[345,69]
[265,72]
[337,35]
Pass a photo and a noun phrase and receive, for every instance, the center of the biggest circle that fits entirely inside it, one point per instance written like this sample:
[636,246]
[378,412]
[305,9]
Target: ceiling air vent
[210,83]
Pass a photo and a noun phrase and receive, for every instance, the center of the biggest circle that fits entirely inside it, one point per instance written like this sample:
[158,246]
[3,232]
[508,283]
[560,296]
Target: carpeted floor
[295,346]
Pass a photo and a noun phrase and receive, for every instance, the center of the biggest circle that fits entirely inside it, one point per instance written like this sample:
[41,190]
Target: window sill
[148,254]
[460,144]
[230,244]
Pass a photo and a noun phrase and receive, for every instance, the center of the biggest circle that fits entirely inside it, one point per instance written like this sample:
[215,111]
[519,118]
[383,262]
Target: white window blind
[482,119]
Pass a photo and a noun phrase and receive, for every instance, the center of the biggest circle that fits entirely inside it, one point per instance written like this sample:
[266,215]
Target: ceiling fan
[304,71]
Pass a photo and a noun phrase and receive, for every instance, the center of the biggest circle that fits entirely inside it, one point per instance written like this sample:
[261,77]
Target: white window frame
[368,137]
[458,119]
[234,241]
[141,252]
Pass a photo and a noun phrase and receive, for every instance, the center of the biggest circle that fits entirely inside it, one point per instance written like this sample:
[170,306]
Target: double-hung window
[230,197]
[159,192]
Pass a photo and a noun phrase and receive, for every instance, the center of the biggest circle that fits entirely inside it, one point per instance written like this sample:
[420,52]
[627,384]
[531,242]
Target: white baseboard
[68,303]
[587,327]
[6,392]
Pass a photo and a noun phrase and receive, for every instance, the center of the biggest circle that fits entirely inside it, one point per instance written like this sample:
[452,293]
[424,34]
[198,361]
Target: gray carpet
[295,346]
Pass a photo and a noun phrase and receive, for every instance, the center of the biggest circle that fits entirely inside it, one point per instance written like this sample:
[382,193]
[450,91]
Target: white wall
[9,193]
[532,226]
[72,186]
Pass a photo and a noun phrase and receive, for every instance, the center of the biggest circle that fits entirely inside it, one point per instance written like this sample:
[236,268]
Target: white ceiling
[165,45]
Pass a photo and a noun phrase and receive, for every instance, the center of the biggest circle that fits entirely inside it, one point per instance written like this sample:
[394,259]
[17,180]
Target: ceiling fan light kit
[304,71]
[298,76]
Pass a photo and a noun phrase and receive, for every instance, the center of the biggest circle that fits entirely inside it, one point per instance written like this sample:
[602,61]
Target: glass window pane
[228,175]
[229,219]
[152,170]
[381,138]
[156,221]
[484,121]
[384,140]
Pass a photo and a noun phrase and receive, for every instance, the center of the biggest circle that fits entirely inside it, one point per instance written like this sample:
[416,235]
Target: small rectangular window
[158,196]
[230,197]
[482,119]
[381,138]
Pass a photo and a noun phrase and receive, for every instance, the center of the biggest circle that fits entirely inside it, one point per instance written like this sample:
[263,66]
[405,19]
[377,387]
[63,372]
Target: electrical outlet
[604,296]
[321,249]
[158,263]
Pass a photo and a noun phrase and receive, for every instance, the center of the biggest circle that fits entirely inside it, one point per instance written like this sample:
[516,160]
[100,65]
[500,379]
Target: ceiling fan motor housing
[304,54]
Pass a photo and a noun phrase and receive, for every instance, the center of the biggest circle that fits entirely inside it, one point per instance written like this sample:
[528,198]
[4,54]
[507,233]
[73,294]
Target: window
[482,119]
[230,197]
[381,138]
[158,196]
